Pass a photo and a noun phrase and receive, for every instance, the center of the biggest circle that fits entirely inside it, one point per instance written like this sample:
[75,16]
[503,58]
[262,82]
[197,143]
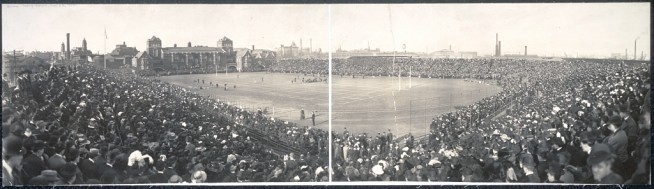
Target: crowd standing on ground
[570,121]
[82,125]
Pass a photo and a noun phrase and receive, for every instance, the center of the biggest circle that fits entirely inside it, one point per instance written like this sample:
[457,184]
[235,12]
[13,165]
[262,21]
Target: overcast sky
[44,27]
[589,29]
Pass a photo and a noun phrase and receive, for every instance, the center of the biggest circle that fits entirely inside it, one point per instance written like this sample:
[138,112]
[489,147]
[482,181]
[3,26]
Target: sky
[588,29]
[584,29]
[44,27]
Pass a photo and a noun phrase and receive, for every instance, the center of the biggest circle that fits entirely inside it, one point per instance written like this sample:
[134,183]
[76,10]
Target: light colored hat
[377,170]
[199,176]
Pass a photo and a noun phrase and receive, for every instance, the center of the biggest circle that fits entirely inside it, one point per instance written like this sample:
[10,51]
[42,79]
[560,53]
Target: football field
[371,105]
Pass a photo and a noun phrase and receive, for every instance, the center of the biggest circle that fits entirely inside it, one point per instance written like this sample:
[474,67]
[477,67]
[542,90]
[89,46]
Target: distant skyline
[44,27]
[584,29]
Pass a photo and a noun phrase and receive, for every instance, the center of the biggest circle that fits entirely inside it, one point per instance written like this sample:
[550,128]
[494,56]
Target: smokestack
[175,45]
[450,47]
[626,56]
[499,48]
[525,50]
[310,45]
[252,47]
[301,50]
[189,44]
[67,46]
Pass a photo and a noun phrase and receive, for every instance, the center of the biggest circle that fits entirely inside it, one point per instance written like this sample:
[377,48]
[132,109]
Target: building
[121,56]
[190,57]
[262,59]
[142,61]
[243,59]
[291,51]
[82,54]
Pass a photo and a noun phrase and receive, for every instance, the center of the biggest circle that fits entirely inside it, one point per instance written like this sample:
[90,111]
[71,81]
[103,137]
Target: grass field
[368,105]
[374,105]
[275,92]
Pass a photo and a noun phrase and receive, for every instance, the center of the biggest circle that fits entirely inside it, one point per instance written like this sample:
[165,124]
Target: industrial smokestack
[525,50]
[311,45]
[189,44]
[497,47]
[252,47]
[626,56]
[450,47]
[67,46]
[301,50]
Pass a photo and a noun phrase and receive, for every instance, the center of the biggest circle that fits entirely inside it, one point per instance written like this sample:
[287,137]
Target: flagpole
[104,57]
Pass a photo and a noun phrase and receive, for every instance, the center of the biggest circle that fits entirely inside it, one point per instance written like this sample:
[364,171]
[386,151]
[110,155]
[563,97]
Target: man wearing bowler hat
[601,161]
[34,162]
[12,156]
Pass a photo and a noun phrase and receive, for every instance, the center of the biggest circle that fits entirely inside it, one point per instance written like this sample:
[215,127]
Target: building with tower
[189,57]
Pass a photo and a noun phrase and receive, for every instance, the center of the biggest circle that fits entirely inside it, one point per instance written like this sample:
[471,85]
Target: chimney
[497,47]
[525,50]
[124,44]
[625,54]
[310,45]
[67,46]
[301,50]
[252,47]
[450,47]
[189,44]
[175,45]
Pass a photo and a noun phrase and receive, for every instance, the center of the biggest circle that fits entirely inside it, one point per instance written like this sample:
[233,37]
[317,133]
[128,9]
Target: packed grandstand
[568,121]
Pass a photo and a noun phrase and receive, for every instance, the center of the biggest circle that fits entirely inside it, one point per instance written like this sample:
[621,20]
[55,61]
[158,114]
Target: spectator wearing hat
[601,161]
[46,178]
[87,165]
[33,162]
[618,142]
[199,177]
[159,176]
[528,166]
[56,161]
[175,179]
[68,174]
[72,157]
[12,156]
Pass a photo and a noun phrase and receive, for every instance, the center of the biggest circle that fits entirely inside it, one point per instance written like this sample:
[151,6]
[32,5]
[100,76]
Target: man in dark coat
[57,161]
[34,162]
[159,176]
[87,166]
[12,156]
[528,166]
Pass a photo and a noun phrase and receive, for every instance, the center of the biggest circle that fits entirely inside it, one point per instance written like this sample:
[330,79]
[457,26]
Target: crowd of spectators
[82,125]
[304,66]
[570,121]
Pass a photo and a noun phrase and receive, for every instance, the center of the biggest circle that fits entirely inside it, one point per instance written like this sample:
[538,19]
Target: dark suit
[158,177]
[32,166]
[88,168]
